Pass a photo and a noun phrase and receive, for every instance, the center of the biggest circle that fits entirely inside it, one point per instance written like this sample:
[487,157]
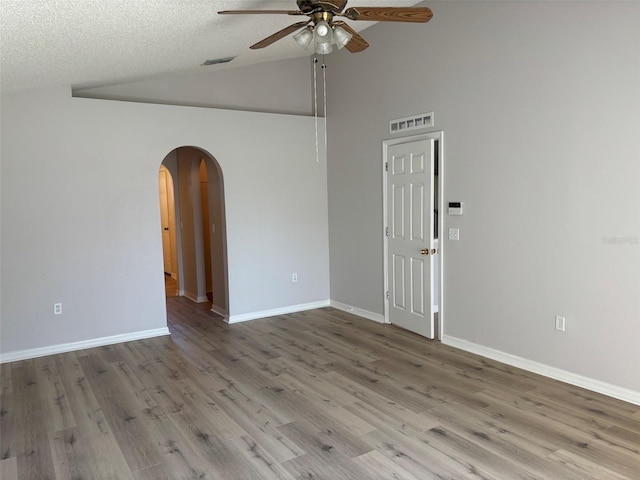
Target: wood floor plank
[390,387]
[476,424]
[132,429]
[8,426]
[392,409]
[259,422]
[321,460]
[314,381]
[623,437]
[600,424]
[5,378]
[409,450]
[481,460]
[376,465]
[173,363]
[597,451]
[315,394]
[221,461]
[556,435]
[29,436]
[87,412]
[417,371]
[587,469]
[97,457]
[107,380]
[527,456]
[179,460]
[428,383]
[294,348]
[9,468]
[253,454]
[162,388]
[58,414]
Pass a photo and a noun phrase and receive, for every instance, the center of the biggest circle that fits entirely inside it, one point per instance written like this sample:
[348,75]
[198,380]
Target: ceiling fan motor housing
[310,6]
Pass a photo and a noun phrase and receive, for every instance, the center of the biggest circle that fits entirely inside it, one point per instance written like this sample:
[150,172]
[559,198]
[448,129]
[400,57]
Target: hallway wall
[95,246]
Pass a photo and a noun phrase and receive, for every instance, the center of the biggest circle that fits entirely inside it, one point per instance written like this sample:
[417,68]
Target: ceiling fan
[326,31]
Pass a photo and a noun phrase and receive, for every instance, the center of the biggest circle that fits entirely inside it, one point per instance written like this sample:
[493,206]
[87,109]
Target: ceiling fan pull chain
[315,102]
[324,87]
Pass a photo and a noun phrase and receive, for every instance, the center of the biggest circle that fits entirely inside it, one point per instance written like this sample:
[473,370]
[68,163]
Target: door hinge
[386,166]
[388,294]
[386,231]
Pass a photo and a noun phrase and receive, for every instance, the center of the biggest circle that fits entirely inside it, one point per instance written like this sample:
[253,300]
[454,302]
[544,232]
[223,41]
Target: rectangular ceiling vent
[415,122]
[217,61]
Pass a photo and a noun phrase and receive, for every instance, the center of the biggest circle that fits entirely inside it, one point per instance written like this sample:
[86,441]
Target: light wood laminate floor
[314,395]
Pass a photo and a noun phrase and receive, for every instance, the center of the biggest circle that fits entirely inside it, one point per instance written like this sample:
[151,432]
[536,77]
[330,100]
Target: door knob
[433,251]
[424,251]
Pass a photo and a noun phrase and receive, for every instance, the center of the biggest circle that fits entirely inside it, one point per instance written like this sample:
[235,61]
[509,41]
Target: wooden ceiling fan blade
[357,43]
[259,12]
[278,35]
[389,14]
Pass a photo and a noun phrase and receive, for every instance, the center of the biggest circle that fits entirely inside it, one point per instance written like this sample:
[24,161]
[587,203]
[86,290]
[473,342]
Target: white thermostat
[455,208]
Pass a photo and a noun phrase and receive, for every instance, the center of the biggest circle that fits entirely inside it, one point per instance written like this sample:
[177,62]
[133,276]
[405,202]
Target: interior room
[414,256]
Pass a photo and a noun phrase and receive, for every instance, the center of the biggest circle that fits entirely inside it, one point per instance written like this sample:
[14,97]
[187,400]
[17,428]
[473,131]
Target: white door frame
[439,136]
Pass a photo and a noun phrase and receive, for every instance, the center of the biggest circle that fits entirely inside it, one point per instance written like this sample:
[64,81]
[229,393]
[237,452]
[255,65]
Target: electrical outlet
[454,234]
[294,277]
[57,309]
[560,323]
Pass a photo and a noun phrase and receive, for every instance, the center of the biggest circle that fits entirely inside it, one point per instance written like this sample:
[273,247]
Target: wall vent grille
[415,122]
[216,61]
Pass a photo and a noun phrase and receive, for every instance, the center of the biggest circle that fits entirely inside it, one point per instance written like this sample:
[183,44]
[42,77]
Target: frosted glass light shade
[341,36]
[303,37]
[324,48]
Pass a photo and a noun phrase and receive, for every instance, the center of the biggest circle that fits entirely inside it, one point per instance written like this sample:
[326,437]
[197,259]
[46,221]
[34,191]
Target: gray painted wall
[540,108]
[217,239]
[81,219]
[284,86]
[193,257]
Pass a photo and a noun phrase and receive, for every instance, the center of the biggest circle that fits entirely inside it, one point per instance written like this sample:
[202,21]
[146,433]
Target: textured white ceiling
[85,43]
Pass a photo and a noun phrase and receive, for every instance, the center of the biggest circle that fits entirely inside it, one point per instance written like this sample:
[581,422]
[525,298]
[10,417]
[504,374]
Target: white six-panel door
[410,178]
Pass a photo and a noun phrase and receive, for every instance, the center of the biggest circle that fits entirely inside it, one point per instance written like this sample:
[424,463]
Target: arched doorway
[199,205]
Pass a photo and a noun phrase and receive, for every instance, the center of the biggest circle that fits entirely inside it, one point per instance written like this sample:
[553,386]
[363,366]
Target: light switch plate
[454,234]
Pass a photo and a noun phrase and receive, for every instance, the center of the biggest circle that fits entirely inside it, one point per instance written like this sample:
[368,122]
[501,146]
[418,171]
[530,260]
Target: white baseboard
[219,310]
[376,317]
[195,298]
[244,317]
[71,347]
[604,388]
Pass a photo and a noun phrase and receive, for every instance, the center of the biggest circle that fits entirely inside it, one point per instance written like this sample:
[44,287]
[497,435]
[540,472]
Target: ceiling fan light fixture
[341,36]
[321,14]
[323,32]
[304,37]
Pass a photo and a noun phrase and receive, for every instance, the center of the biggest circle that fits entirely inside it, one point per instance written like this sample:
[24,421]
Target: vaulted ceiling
[85,43]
